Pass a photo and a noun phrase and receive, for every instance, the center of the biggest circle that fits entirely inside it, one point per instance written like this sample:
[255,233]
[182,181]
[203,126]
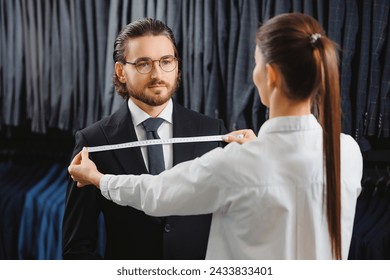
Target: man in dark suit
[146,76]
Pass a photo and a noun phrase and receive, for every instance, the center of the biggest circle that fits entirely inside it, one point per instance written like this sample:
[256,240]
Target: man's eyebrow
[143,58]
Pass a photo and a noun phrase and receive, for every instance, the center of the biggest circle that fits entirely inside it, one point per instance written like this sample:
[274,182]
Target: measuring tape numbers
[213,138]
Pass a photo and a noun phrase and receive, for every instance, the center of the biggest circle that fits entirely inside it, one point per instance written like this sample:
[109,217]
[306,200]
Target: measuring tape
[149,142]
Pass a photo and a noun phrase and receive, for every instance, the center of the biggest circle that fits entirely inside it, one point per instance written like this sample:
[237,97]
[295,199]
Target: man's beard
[155,100]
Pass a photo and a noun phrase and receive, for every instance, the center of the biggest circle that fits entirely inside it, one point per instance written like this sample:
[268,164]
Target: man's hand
[240,136]
[83,170]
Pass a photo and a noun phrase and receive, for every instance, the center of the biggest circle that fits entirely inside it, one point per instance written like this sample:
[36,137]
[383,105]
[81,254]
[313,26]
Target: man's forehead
[150,46]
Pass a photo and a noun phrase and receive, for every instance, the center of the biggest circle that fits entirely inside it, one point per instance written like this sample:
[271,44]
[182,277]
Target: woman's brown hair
[308,61]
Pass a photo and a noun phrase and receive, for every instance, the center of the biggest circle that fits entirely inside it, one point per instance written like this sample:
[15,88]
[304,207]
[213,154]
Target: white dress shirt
[266,195]
[165,131]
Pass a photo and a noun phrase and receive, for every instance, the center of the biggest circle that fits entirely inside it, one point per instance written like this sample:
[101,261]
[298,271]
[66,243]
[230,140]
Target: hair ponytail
[330,118]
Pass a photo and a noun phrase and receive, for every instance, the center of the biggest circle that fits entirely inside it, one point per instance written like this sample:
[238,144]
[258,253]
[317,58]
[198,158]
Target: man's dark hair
[135,29]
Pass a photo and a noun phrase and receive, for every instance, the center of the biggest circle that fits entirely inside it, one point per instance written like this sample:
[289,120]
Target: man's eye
[142,64]
[166,61]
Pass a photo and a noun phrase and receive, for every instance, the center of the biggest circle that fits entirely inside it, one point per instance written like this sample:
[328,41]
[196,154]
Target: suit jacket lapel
[120,129]
[183,126]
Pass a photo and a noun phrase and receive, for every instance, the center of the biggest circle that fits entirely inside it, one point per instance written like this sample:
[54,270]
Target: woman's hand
[83,170]
[240,136]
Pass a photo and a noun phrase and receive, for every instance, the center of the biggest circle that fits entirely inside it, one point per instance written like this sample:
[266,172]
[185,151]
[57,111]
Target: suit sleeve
[79,229]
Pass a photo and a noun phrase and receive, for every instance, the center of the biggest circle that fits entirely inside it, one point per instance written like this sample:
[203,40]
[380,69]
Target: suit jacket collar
[120,129]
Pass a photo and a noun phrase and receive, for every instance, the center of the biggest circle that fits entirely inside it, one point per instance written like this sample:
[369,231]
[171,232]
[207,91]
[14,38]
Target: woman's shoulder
[350,152]
[349,143]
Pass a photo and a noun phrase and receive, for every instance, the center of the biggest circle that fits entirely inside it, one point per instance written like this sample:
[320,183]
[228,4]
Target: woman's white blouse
[266,195]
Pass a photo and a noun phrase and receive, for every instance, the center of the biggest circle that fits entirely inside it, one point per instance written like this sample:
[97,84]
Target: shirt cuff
[103,184]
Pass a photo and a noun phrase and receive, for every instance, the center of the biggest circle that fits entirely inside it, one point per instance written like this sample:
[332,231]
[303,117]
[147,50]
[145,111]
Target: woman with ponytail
[290,192]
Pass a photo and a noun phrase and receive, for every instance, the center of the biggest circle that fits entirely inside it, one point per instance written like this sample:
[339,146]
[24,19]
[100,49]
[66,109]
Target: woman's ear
[272,75]
[120,72]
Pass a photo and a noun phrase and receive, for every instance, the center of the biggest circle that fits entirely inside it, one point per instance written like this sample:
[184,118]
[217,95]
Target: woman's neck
[281,106]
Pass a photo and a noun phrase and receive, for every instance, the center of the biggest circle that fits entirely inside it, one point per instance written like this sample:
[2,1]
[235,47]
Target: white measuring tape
[149,142]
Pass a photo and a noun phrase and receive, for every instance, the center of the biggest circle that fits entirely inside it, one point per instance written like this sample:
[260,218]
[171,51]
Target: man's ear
[120,72]
[272,75]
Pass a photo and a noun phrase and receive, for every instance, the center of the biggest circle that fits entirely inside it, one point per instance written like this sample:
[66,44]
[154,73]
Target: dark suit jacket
[131,234]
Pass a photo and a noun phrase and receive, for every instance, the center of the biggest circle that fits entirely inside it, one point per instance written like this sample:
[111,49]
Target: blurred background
[56,72]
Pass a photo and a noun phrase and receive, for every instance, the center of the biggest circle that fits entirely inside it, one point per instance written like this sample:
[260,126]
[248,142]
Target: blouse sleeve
[188,188]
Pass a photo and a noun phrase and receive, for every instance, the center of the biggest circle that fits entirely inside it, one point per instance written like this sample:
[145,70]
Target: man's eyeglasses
[144,65]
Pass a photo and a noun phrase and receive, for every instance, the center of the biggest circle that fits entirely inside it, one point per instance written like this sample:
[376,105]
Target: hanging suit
[380,14]
[384,114]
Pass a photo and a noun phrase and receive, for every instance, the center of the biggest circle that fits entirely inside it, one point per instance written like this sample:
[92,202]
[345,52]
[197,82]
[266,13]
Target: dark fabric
[371,235]
[11,70]
[109,94]
[11,203]
[243,87]
[58,56]
[380,14]
[32,204]
[363,77]
[55,67]
[31,221]
[343,28]
[155,152]
[384,116]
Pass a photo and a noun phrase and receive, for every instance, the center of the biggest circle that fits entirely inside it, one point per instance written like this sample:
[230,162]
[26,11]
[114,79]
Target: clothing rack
[33,182]
[371,234]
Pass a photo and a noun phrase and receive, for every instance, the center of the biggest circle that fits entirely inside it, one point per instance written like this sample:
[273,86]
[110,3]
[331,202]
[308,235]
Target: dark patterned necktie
[155,152]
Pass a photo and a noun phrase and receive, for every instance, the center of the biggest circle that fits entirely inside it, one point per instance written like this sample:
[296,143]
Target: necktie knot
[152,124]
[155,152]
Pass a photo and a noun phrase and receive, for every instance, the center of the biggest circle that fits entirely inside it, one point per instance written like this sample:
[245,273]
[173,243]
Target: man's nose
[156,69]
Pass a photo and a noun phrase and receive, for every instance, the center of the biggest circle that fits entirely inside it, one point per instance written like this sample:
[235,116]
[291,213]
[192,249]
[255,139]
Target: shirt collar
[290,123]
[138,115]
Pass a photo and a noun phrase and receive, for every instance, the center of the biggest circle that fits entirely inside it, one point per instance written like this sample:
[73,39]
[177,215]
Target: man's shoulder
[121,114]
[189,120]
[188,113]
[95,126]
